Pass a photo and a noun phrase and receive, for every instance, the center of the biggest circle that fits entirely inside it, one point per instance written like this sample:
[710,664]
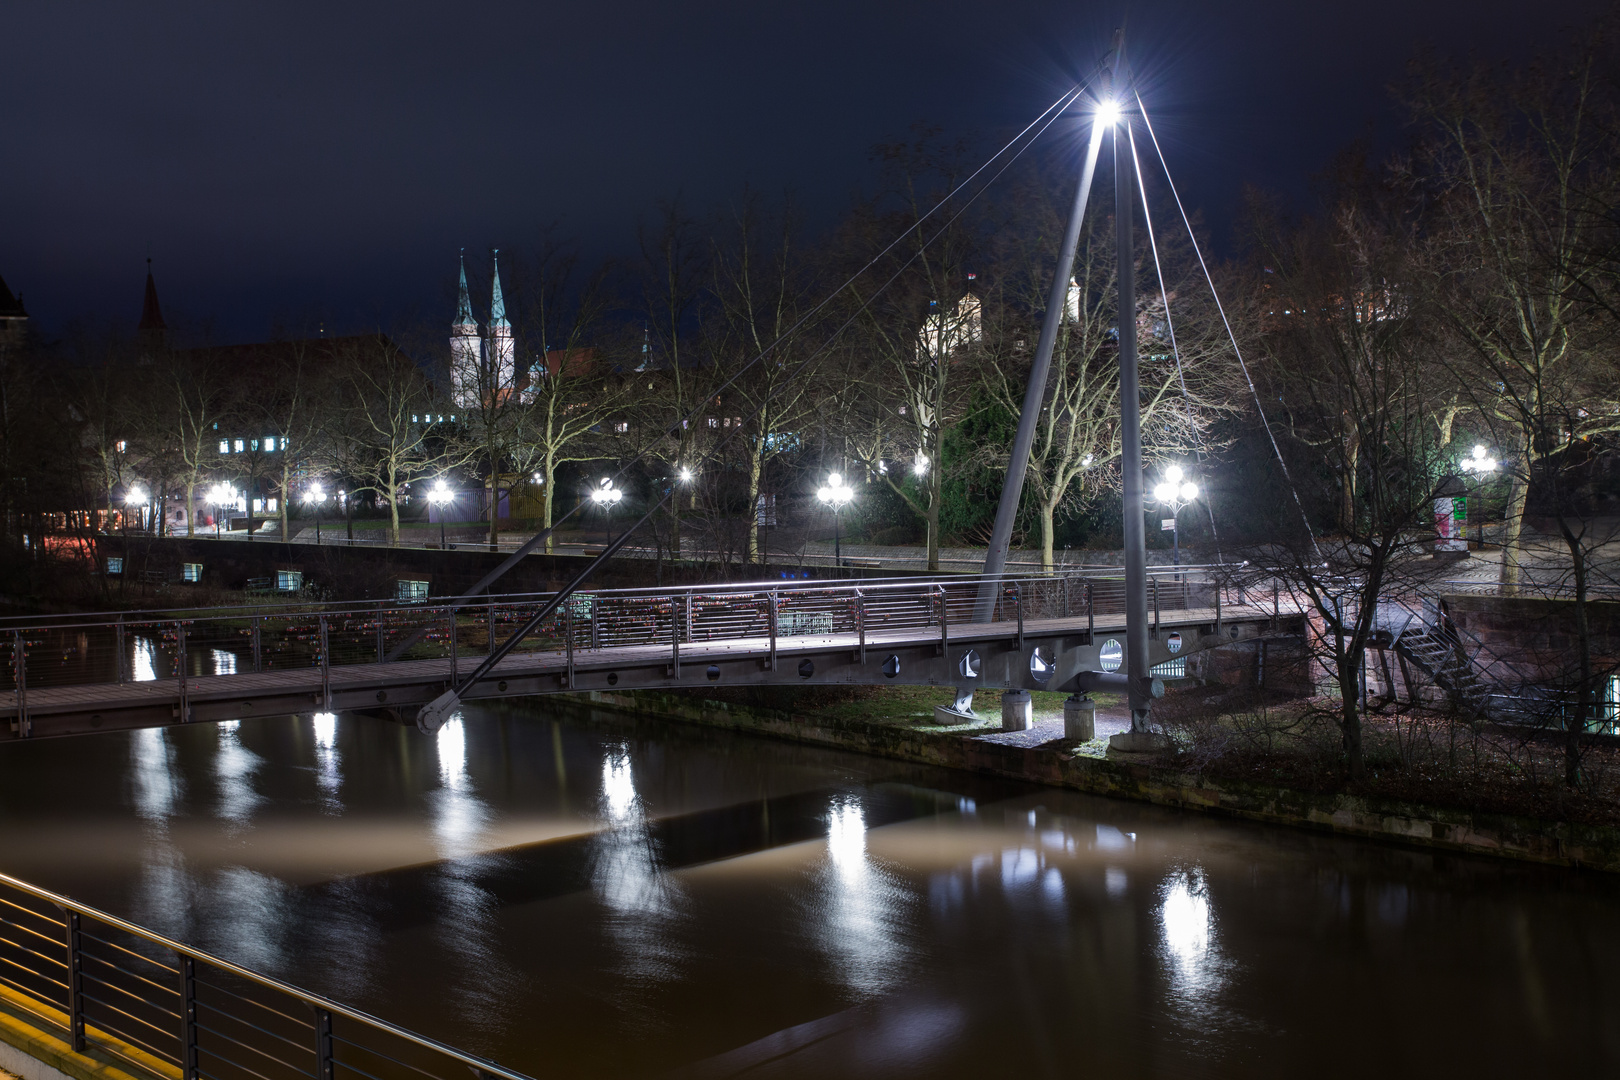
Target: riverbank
[906,734]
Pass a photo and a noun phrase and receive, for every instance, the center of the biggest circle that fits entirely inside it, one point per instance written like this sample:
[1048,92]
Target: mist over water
[605,898]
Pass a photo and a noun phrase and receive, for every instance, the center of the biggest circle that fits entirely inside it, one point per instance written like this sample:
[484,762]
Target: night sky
[289,162]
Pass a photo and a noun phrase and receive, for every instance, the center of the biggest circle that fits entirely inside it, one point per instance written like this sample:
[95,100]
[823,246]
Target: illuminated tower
[499,351]
[465,349]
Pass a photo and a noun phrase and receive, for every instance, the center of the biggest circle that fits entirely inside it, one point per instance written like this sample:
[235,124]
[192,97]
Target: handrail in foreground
[324,1051]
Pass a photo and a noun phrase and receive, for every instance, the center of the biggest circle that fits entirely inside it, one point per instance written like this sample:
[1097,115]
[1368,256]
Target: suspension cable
[1236,351]
[1170,323]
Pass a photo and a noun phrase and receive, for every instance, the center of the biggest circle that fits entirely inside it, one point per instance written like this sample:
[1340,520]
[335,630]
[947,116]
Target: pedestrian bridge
[81,673]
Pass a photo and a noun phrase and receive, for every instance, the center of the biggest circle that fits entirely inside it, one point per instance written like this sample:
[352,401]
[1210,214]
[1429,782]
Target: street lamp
[134,497]
[441,496]
[221,496]
[314,494]
[1481,467]
[607,497]
[836,494]
[1174,493]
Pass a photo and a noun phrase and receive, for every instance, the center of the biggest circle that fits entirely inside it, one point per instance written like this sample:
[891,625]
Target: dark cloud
[284,160]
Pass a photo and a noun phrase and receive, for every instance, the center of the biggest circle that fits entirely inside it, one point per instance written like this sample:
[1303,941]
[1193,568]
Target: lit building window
[224,446]
[714,422]
[271,506]
[115,565]
[289,580]
[239,447]
[622,426]
[191,571]
[254,445]
[120,446]
[411,590]
[415,419]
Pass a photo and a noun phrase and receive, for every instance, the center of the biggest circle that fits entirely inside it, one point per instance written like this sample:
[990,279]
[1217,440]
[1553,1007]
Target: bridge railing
[199,643]
[157,1007]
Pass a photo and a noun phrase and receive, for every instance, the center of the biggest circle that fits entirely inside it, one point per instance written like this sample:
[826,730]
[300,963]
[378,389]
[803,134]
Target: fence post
[492,622]
[75,1002]
[258,642]
[188,1018]
[323,1044]
[596,620]
[1276,591]
[1091,616]
[382,656]
[455,675]
[1155,607]
[180,670]
[674,638]
[944,614]
[326,668]
[118,647]
[770,620]
[568,638]
[1018,606]
[860,622]
[19,662]
[1217,611]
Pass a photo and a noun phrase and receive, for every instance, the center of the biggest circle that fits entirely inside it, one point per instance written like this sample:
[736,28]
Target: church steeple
[500,349]
[13,317]
[152,332]
[466,351]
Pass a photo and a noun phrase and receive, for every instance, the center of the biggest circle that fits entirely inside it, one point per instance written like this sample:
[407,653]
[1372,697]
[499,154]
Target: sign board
[1167,524]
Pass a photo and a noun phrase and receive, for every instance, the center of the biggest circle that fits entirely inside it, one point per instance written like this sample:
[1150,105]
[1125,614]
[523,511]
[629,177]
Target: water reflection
[328,762]
[862,907]
[224,662]
[151,775]
[144,667]
[1187,925]
[643,903]
[234,766]
[459,816]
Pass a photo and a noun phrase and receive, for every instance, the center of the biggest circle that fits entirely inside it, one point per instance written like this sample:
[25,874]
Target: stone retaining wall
[1530,839]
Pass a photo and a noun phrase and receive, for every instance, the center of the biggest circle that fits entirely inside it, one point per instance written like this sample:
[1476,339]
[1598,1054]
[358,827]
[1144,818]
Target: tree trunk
[1578,721]
[549,483]
[1350,712]
[756,466]
[1513,522]
[285,483]
[191,518]
[392,496]
[1048,512]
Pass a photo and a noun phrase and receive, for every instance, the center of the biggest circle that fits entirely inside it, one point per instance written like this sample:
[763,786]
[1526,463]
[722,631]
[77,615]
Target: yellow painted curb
[53,1050]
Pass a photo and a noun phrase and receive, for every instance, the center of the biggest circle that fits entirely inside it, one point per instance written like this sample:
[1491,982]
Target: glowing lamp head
[1108,112]
[1173,474]
[686,475]
[1164,491]
[1189,491]
[135,497]
[919,464]
[315,494]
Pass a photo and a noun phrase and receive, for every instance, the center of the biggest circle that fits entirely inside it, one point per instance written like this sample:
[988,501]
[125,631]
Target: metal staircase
[1434,646]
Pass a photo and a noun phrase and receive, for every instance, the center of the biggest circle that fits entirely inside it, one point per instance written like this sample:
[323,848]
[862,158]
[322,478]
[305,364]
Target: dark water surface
[616,899]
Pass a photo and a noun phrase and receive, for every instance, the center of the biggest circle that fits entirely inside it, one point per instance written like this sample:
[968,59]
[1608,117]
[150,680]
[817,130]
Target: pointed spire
[151,313]
[497,303]
[464,315]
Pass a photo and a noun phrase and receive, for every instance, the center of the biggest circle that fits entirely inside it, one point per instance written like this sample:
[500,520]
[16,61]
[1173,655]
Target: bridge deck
[403,683]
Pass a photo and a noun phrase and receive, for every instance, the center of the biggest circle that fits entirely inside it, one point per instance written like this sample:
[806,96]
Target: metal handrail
[75,620]
[480,1066]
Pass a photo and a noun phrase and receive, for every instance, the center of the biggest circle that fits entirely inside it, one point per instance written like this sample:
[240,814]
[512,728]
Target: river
[607,898]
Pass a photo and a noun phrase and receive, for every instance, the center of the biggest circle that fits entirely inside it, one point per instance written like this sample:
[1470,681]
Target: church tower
[152,334]
[465,348]
[501,352]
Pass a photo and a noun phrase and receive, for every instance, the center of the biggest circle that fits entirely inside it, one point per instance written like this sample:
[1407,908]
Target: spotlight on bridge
[1108,113]
[891,666]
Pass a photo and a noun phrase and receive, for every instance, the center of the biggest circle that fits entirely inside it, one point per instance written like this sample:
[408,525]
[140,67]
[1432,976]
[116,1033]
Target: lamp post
[441,496]
[836,494]
[1481,467]
[134,497]
[316,496]
[607,497]
[221,496]
[1174,493]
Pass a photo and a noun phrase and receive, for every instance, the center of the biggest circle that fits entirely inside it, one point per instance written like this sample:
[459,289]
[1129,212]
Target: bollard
[1017,710]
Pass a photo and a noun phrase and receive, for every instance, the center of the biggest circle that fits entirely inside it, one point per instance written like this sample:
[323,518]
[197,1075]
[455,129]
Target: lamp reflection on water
[328,763]
[643,903]
[234,766]
[863,907]
[144,668]
[459,815]
[1188,927]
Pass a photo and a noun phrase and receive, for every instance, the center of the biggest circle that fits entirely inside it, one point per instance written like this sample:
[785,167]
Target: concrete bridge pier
[1017,710]
[1079,718]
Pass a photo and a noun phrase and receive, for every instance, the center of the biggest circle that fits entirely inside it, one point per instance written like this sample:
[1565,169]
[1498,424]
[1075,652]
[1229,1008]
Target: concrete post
[1017,710]
[1079,719]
